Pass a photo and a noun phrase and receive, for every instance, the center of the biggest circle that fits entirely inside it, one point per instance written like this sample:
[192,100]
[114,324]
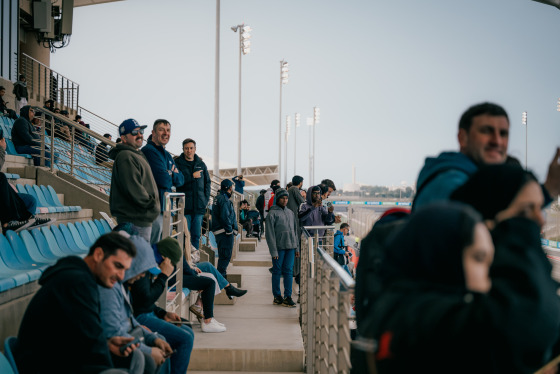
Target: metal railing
[99,124]
[173,225]
[43,83]
[74,150]
[325,291]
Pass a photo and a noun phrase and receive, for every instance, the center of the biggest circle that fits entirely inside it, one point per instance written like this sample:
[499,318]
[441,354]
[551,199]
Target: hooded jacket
[63,316]
[196,190]
[161,164]
[116,309]
[281,228]
[134,194]
[442,175]
[20,90]
[295,200]
[23,132]
[223,215]
[310,215]
[339,247]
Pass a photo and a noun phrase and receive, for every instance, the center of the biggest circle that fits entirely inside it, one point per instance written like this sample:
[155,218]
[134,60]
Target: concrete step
[247,246]
[16,162]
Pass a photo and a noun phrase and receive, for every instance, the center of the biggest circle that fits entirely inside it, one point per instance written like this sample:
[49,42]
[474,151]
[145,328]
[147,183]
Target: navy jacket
[239,184]
[223,215]
[23,132]
[196,190]
[161,164]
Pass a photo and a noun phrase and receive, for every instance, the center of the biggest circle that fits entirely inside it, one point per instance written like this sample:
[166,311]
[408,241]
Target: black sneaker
[42,222]
[17,226]
[288,302]
[232,291]
[277,300]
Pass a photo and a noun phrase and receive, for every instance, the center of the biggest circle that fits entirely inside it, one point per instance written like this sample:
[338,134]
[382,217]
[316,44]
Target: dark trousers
[12,207]
[207,286]
[225,247]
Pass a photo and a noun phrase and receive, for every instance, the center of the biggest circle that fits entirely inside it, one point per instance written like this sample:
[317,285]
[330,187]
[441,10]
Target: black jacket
[197,190]
[145,292]
[61,330]
[426,327]
[23,132]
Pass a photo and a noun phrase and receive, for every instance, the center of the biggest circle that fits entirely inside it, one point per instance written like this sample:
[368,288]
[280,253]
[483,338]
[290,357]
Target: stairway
[260,337]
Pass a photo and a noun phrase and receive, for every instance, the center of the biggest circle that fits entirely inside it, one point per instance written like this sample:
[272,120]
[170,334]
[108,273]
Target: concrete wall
[12,307]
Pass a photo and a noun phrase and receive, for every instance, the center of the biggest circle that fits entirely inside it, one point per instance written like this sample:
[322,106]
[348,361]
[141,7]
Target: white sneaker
[219,323]
[212,326]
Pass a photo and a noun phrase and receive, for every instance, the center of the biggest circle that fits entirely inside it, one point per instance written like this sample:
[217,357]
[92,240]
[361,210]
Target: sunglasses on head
[137,131]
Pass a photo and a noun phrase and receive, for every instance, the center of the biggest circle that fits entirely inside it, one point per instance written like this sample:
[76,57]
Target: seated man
[17,210]
[65,310]
[25,138]
[244,218]
[4,105]
[147,290]
[116,312]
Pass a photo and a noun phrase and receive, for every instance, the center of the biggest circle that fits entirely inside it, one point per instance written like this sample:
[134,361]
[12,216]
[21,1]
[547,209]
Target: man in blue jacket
[224,225]
[163,168]
[196,188]
[483,140]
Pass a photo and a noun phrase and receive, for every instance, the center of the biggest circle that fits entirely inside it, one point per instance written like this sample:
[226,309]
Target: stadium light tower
[554,3]
[244,48]
[524,122]
[217,95]
[316,117]
[288,130]
[310,124]
[284,69]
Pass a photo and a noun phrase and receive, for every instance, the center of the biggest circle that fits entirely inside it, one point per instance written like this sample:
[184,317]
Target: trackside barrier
[173,225]
[325,306]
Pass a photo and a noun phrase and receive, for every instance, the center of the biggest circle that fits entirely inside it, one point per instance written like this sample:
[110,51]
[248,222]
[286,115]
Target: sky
[391,78]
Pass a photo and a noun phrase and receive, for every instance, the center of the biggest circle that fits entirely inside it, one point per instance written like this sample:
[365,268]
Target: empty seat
[41,202]
[64,240]
[33,250]
[106,225]
[76,236]
[51,251]
[84,235]
[56,201]
[102,230]
[94,229]
[21,253]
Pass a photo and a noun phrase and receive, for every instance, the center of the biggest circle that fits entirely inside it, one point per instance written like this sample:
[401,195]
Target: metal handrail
[345,278]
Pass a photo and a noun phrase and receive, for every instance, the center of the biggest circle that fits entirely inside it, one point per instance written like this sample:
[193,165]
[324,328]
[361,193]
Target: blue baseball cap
[128,125]
[225,184]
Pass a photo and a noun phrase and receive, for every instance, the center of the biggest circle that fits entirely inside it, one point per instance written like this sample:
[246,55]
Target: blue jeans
[30,202]
[284,266]
[145,232]
[28,150]
[180,338]
[209,268]
[157,229]
[194,223]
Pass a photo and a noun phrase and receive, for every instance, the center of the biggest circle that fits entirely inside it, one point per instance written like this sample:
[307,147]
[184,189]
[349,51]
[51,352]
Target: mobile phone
[169,354]
[135,341]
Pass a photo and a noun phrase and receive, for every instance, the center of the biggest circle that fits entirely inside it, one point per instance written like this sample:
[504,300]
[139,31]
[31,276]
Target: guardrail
[325,291]
[173,224]
[44,83]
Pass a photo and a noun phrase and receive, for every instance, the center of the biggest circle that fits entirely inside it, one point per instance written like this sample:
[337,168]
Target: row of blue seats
[23,257]
[46,198]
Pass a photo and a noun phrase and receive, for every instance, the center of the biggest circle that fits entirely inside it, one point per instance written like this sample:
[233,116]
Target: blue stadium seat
[84,235]
[49,251]
[52,242]
[94,229]
[76,236]
[9,350]
[56,201]
[65,240]
[5,367]
[17,277]
[41,202]
[100,227]
[21,253]
[106,225]
[33,250]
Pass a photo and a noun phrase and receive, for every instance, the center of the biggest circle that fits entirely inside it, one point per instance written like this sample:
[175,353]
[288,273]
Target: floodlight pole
[217,96]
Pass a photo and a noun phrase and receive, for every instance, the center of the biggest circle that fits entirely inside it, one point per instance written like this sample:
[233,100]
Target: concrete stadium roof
[79,3]
[253,176]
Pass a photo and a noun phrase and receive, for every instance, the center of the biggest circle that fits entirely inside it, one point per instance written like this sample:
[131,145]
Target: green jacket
[134,194]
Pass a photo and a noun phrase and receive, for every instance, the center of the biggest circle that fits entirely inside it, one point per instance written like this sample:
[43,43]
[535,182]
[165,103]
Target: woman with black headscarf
[441,312]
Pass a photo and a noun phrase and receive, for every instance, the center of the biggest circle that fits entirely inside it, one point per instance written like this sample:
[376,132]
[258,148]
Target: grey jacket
[281,230]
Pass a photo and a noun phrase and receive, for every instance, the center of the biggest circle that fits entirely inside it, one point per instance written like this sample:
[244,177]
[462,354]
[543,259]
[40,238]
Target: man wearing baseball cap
[224,225]
[134,195]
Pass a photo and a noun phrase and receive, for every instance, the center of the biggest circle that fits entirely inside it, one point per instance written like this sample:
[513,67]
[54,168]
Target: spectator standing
[268,196]
[164,170]
[66,310]
[26,140]
[134,193]
[313,213]
[102,152]
[20,90]
[294,201]
[196,188]
[341,253]
[3,105]
[260,207]
[239,183]
[224,225]
[282,243]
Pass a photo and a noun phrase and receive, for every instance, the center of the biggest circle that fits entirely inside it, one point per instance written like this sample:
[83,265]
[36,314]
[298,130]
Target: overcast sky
[391,77]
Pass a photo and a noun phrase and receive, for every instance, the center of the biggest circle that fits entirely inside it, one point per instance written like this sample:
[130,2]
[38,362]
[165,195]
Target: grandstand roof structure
[79,3]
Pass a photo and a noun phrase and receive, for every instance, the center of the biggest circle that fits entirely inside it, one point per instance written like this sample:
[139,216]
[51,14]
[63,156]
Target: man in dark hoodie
[196,188]
[61,330]
[26,140]
[224,225]
[483,140]
[134,193]
[282,243]
[313,213]
[294,201]
[163,168]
